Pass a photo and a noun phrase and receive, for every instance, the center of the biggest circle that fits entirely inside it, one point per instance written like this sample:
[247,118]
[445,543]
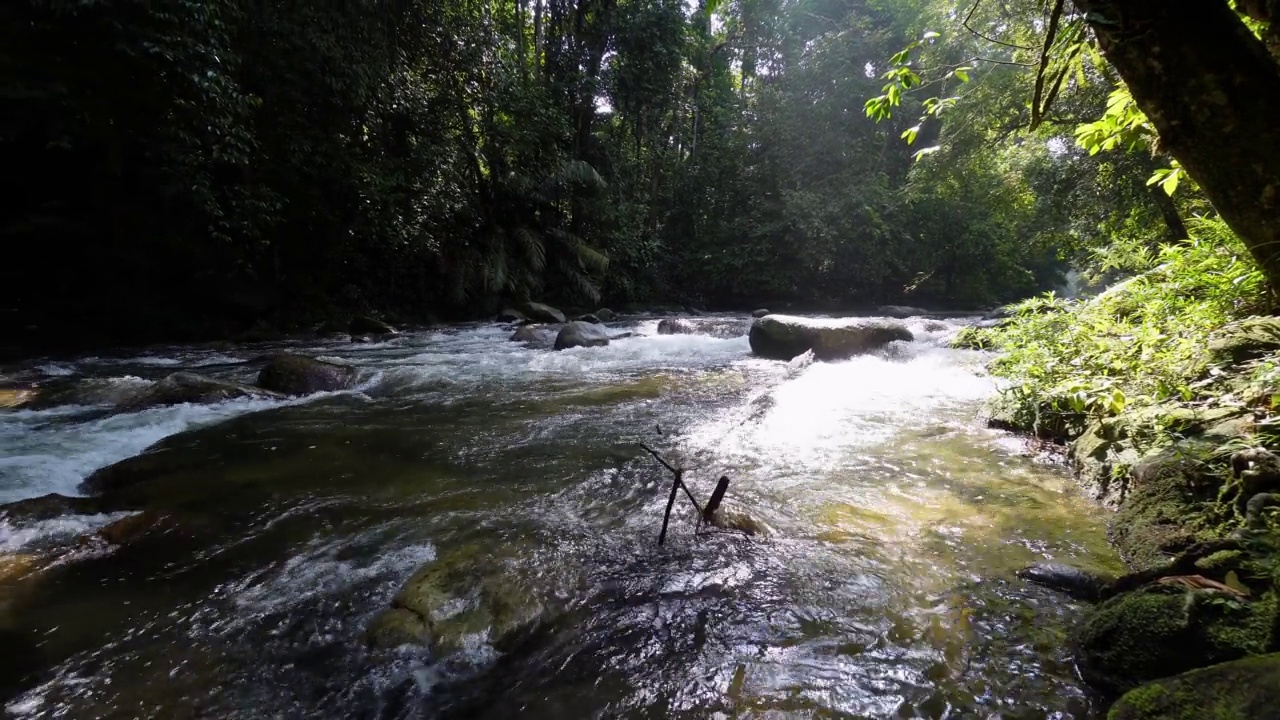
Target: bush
[1139,343]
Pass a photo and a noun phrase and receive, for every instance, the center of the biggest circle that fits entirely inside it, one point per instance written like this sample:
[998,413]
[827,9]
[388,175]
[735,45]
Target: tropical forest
[400,359]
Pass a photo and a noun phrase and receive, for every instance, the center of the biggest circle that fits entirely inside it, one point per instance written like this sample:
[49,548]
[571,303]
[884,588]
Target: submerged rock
[713,327]
[1247,689]
[901,311]
[782,337]
[729,518]
[1162,630]
[185,387]
[1077,583]
[582,334]
[674,327]
[452,598]
[534,335]
[16,397]
[300,375]
[47,507]
[538,312]
[364,325]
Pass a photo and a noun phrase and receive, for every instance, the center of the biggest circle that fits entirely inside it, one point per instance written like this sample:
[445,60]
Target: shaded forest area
[192,169]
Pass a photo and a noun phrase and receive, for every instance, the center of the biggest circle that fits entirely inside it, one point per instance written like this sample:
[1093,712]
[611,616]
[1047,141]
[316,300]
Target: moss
[1166,490]
[1247,689]
[1158,632]
[396,627]
[1221,562]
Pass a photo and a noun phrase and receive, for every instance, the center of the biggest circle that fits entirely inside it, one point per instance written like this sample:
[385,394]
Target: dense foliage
[195,168]
[1140,343]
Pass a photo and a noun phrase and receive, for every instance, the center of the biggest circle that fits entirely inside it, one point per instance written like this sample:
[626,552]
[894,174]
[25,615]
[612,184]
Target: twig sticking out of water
[677,484]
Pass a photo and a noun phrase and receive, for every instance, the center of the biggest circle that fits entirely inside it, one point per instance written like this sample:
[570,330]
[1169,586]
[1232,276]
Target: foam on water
[830,408]
[51,451]
[41,534]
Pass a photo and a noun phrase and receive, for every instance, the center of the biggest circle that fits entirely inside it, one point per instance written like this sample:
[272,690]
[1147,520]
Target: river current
[884,588]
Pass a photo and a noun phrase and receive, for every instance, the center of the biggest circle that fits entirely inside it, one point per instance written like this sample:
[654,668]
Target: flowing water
[885,588]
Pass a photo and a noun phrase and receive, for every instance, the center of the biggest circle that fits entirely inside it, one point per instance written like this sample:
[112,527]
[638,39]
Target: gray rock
[582,334]
[534,335]
[783,337]
[510,315]
[606,315]
[759,313]
[588,318]
[299,375]
[538,312]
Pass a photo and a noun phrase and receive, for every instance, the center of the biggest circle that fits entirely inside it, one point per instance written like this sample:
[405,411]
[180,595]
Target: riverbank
[1165,391]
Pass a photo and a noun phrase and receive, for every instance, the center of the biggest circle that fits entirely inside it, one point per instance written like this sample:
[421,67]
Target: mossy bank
[1165,392]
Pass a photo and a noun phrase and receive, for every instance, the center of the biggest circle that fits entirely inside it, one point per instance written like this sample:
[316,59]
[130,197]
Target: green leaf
[910,134]
[962,74]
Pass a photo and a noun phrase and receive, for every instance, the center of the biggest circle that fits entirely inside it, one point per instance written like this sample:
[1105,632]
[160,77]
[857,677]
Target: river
[884,589]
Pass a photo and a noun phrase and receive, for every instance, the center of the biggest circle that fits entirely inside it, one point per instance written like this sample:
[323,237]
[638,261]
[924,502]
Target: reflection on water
[886,590]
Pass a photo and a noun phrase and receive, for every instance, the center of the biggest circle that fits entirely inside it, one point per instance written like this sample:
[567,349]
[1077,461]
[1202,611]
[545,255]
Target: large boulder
[1245,339]
[364,325]
[538,312]
[782,337]
[300,375]
[1247,689]
[1161,630]
[186,387]
[606,315]
[582,334]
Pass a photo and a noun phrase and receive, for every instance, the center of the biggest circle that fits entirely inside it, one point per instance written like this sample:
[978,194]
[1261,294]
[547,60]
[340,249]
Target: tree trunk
[1212,91]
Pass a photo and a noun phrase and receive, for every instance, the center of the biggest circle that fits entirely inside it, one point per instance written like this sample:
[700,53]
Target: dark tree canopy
[194,169]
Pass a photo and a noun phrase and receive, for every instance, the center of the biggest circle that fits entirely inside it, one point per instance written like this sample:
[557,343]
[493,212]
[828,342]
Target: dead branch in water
[677,484]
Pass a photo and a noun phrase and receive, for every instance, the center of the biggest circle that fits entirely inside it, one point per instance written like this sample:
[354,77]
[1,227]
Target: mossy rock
[1161,631]
[1166,489]
[1245,340]
[1247,689]
[456,596]
[1101,457]
[396,627]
